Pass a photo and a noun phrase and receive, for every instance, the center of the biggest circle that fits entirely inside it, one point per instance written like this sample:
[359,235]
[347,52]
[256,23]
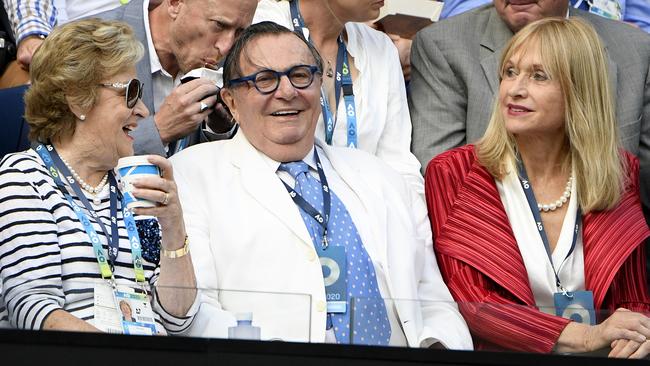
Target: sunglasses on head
[133,90]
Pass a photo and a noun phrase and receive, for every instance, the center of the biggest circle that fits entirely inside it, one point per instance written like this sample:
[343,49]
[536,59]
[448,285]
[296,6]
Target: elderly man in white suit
[253,247]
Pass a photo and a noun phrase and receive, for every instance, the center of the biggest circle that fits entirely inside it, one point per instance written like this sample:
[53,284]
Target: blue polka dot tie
[370,325]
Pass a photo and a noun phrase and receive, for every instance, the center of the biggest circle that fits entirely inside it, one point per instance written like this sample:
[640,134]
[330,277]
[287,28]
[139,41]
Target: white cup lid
[132,161]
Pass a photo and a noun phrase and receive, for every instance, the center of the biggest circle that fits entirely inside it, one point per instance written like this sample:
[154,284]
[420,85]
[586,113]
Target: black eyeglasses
[267,81]
[133,90]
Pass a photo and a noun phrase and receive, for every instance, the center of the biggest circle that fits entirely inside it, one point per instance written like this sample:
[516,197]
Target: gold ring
[165,200]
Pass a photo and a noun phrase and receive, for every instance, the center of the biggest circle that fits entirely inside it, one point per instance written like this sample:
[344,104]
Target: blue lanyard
[343,81]
[57,168]
[321,219]
[532,202]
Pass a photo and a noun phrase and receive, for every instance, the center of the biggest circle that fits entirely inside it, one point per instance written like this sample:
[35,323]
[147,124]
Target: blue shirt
[455,7]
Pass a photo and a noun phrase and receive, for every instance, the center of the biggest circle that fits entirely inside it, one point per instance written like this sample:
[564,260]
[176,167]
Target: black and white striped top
[46,259]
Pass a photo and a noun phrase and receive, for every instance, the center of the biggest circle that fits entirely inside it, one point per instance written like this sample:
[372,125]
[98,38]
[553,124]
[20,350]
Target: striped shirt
[47,262]
[38,17]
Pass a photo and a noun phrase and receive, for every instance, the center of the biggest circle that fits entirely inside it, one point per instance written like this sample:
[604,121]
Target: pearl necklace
[87,187]
[557,204]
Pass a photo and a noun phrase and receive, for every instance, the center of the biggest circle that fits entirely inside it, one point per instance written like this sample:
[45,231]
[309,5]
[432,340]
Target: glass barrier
[273,316]
[127,308]
[493,327]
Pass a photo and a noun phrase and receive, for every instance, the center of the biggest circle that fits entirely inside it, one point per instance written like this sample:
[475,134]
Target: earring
[82,117]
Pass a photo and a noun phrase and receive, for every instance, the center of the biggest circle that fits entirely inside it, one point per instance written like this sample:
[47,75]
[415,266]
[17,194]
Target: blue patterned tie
[370,325]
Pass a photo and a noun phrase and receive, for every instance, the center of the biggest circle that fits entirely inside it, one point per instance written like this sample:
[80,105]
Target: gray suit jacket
[455,79]
[147,137]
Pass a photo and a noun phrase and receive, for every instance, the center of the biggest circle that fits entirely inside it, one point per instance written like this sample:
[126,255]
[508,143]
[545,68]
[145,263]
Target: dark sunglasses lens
[133,93]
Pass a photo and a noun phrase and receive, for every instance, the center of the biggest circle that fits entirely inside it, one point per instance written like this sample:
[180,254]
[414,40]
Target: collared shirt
[540,272]
[356,210]
[163,82]
[38,17]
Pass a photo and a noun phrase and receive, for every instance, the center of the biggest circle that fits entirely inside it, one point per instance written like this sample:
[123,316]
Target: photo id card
[606,8]
[135,313]
[577,306]
[122,311]
[333,261]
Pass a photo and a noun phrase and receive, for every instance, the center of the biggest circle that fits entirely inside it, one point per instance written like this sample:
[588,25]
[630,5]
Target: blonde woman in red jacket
[543,214]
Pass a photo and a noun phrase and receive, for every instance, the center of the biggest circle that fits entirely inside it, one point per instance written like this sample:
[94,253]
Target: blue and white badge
[135,313]
[334,264]
[606,8]
[577,306]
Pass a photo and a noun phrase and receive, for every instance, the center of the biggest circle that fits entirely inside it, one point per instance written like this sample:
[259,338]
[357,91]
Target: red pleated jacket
[483,268]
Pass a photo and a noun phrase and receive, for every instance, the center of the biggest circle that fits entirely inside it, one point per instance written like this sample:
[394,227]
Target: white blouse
[540,272]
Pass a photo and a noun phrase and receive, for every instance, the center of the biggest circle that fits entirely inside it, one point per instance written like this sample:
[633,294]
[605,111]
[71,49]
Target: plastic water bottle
[244,328]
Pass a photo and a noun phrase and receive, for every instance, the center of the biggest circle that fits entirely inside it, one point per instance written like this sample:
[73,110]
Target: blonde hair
[573,55]
[67,69]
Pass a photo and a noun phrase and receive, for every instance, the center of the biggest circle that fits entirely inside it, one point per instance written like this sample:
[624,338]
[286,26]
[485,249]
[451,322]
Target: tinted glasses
[133,90]
[267,81]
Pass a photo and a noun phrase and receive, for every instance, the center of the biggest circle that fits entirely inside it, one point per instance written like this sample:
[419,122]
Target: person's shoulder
[26,161]
[22,168]
[616,33]
[199,155]
[630,163]
[465,153]
[373,43]
[367,34]
[467,25]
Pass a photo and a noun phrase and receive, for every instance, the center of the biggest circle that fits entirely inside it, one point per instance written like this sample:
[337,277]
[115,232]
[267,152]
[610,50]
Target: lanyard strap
[321,219]
[532,203]
[57,168]
[343,81]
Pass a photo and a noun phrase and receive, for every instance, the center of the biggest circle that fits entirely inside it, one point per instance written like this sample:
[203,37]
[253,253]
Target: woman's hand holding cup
[161,200]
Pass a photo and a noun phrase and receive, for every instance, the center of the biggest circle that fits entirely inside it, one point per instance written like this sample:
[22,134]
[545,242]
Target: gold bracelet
[172,254]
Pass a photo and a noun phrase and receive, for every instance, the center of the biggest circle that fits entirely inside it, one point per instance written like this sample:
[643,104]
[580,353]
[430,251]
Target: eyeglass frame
[313,69]
[120,85]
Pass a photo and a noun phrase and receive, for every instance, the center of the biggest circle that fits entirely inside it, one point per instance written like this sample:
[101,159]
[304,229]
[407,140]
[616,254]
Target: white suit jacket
[252,251]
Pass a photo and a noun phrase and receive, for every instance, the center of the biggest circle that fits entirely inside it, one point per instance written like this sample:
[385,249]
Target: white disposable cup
[130,168]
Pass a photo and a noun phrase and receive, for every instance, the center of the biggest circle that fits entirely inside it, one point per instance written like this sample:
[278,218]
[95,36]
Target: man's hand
[181,111]
[404,49]
[26,49]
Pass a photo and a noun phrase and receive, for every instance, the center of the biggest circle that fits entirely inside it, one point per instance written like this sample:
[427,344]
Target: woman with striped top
[83,103]
[539,228]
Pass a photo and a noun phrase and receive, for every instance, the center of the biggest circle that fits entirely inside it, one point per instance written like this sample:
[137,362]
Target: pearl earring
[82,117]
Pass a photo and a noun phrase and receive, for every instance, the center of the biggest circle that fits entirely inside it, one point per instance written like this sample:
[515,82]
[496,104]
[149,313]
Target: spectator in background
[635,12]
[375,117]
[253,237]
[60,199]
[180,36]
[544,211]
[33,20]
